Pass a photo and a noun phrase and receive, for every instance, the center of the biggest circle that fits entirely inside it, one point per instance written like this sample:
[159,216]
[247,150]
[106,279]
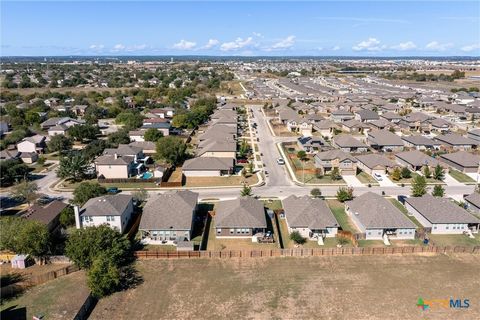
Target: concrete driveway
[352,181]
[386,182]
[450,181]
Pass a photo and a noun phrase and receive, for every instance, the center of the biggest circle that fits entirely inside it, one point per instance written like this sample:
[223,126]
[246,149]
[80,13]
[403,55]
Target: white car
[377,177]
[280,161]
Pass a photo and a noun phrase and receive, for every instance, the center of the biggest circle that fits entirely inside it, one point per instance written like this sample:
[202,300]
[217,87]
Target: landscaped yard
[365,178]
[414,174]
[340,287]
[338,210]
[454,240]
[220,181]
[460,176]
[404,210]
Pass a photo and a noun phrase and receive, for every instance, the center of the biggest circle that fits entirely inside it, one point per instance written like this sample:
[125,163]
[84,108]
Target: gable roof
[110,205]
[345,141]
[171,210]
[375,160]
[455,139]
[366,114]
[417,158]
[374,211]
[418,140]
[334,154]
[440,210]
[45,214]
[243,212]
[474,199]
[308,212]
[384,138]
[208,163]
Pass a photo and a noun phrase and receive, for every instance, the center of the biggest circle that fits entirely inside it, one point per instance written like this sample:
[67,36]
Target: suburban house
[112,210]
[474,135]
[415,160]
[137,135]
[9,154]
[455,141]
[312,144]
[117,166]
[312,218]
[326,128]
[327,160]
[385,141]
[160,124]
[48,215]
[366,115]
[66,121]
[462,161]
[242,218]
[416,121]
[473,202]
[347,143]
[391,117]
[354,126]
[220,147]
[381,124]
[439,125]
[301,126]
[58,129]
[147,147]
[34,144]
[379,219]
[420,142]
[168,218]
[342,115]
[219,131]
[375,163]
[441,216]
[208,167]
[163,112]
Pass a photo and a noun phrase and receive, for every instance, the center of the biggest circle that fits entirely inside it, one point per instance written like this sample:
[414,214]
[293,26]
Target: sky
[249,28]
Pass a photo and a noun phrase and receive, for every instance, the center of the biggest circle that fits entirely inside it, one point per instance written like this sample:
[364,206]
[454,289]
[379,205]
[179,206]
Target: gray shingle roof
[302,212]
[172,210]
[440,210]
[242,212]
[208,163]
[474,199]
[420,140]
[417,158]
[374,160]
[111,205]
[462,158]
[455,139]
[334,154]
[346,141]
[384,138]
[374,211]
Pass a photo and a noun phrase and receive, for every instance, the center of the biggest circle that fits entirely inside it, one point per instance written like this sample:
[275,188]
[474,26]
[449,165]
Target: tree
[406,174]
[41,160]
[25,191]
[67,217]
[11,171]
[84,245]
[24,236]
[244,148]
[296,237]
[438,191]
[316,193]
[94,149]
[344,194]
[130,119]
[246,191]
[103,277]
[73,167]
[301,155]
[140,195]
[119,137]
[438,173]
[335,174]
[84,132]
[419,186]
[59,143]
[152,135]
[426,172]
[86,191]
[171,149]
[396,174]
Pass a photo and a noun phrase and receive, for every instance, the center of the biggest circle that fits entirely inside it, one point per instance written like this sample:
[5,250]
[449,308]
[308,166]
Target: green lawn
[414,174]
[338,210]
[273,204]
[365,178]
[404,210]
[370,243]
[454,240]
[313,179]
[460,176]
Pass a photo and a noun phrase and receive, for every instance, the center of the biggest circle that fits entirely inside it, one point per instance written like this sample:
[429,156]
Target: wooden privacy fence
[317,252]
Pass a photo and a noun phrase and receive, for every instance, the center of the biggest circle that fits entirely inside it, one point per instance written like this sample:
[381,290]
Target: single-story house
[242,218]
[342,115]
[385,141]
[220,147]
[9,154]
[354,126]
[456,142]
[208,167]
[375,163]
[347,143]
[327,160]
[325,127]
[420,142]
[169,217]
[366,115]
[112,210]
[312,144]
[58,129]
[474,135]
[378,218]
[473,202]
[441,215]
[415,160]
[461,161]
[312,218]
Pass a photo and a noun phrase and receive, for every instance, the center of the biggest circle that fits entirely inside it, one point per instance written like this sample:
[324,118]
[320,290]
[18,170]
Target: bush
[344,194]
[103,277]
[296,237]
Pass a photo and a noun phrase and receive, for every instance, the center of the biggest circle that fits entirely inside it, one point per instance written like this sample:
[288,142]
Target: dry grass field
[341,287]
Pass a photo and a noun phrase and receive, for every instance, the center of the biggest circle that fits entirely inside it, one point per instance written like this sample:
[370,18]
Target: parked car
[377,177]
[113,190]
[280,161]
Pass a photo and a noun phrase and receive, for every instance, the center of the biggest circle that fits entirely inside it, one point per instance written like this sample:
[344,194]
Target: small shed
[21,261]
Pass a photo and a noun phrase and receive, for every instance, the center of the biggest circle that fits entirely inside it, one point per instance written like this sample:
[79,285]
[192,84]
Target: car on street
[280,161]
[377,177]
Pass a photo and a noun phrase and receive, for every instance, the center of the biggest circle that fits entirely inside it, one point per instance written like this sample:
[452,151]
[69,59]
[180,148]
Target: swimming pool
[146,175]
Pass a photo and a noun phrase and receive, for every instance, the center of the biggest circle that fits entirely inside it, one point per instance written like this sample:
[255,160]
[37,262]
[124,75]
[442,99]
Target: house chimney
[78,223]
[115,156]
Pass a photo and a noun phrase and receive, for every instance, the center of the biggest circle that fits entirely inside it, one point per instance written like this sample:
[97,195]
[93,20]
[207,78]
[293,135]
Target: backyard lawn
[338,210]
[404,210]
[460,176]
[220,181]
[454,240]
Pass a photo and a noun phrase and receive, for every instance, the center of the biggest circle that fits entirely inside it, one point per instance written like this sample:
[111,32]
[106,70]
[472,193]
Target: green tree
[426,172]
[419,186]
[246,191]
[94,149]
[24,236]
[140,195]
[301,155]
[25,191]
[344,194]
[59,143]
[316,193]
[152,135]
[406,174]
[84,132]
[171,149]
[130,119]
[87,190]
[335,174]
[11,171]
[296,237]
[119,137]
[104,277]
[438,173]
[438,191]
[67,217]
[396,174]
[244,148]
[73,167]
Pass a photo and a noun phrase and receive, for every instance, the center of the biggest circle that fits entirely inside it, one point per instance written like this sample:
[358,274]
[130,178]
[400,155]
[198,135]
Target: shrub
[296,237]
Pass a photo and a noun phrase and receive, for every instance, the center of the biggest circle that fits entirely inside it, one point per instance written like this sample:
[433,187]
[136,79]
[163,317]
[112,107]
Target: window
[446,227]
[232,231]
[434,227]
[110,218]
[219,231]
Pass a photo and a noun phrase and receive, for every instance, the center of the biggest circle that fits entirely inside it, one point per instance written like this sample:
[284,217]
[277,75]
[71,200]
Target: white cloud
[97,46]
[184,45]
[257,34]
[211,43]
[336,48]
[137,47]
[403,46]
[371,44]
[239,43]
[471,47]
[284,43]
[118,47]
[437,46]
